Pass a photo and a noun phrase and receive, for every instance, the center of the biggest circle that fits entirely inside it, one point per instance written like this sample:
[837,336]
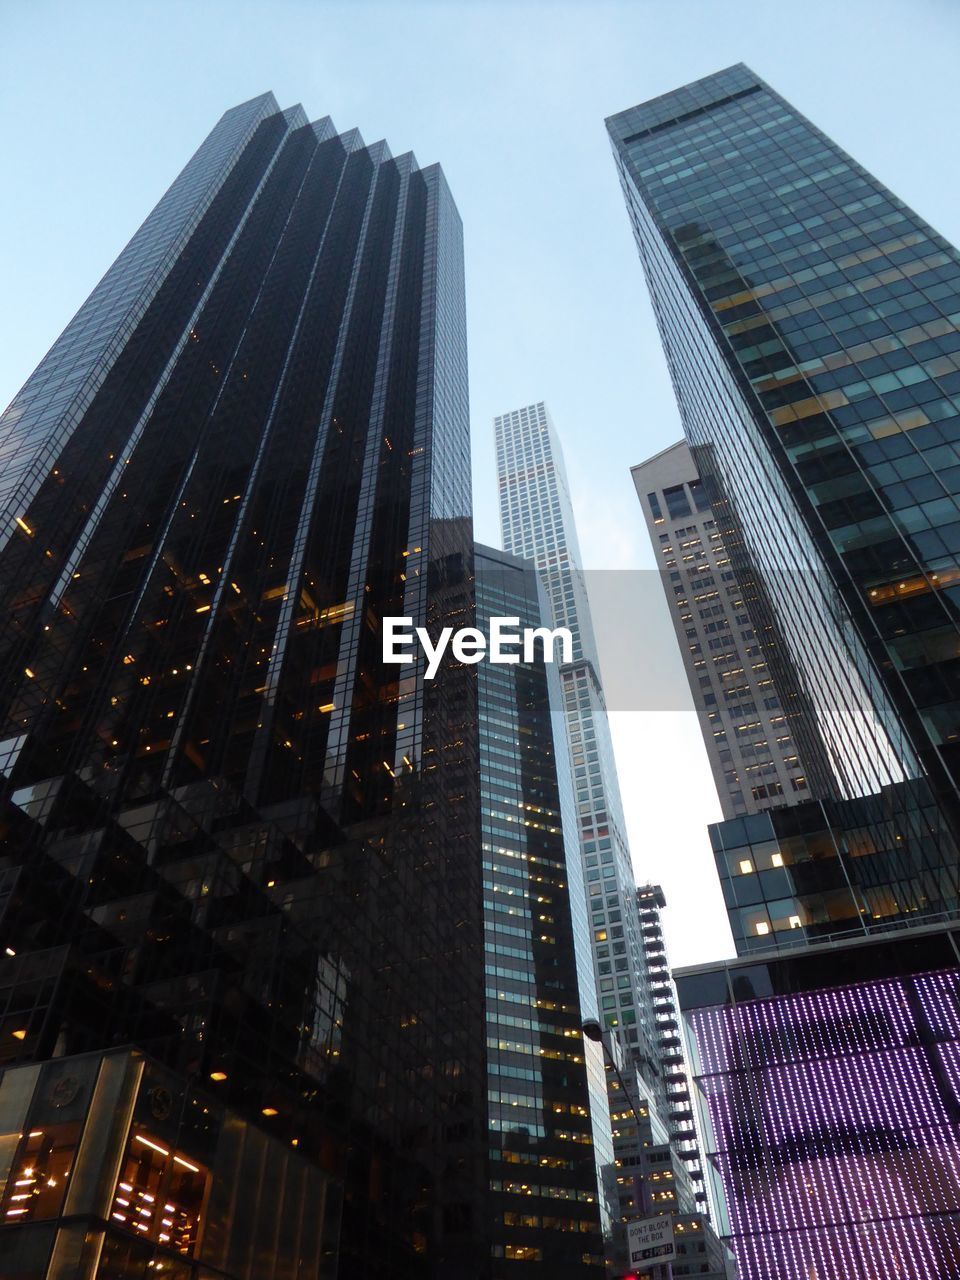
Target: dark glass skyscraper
[231,837]
[548,1122]
[811,321]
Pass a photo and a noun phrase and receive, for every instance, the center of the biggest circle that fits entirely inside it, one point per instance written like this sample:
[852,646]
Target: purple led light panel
[833,1119]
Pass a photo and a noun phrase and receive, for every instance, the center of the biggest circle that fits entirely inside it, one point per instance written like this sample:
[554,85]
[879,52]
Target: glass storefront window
[160,1194]
[38,1178]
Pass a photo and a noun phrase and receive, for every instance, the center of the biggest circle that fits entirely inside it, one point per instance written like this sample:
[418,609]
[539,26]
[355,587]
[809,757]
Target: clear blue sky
[102,103]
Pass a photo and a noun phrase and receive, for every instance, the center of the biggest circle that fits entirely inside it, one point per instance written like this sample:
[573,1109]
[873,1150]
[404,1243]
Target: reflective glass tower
[230,837]
[549,1127]
[810,321]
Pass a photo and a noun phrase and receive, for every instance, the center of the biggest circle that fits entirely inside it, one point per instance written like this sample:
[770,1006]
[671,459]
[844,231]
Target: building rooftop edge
[654,457]
[814,949]
[527,404]
[505,557]
[653,106]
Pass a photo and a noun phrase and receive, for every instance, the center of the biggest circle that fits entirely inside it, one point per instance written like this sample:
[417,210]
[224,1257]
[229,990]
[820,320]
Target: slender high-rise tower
[811,322]
[537,523]
[241,962]
[549,1127]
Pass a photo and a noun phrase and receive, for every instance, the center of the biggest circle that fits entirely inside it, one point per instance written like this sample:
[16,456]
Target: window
[677,502]
[160,1194]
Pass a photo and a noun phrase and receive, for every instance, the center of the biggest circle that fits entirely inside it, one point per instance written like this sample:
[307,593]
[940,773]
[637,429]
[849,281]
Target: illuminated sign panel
[833,1127]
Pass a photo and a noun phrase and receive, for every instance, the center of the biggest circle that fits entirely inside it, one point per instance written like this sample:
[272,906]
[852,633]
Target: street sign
[651,1240]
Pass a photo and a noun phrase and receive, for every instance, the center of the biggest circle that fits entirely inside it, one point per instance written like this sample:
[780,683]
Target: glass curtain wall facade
[547,1110]
[828,869]
[229,834]
[810,319]
[114,1137]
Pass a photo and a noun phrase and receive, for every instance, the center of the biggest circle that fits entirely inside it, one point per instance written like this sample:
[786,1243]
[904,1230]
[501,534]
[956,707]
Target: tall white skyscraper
[536,517]
[537,522]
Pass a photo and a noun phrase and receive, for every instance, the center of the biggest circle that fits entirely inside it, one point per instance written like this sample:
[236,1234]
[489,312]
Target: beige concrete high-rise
[748,737]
